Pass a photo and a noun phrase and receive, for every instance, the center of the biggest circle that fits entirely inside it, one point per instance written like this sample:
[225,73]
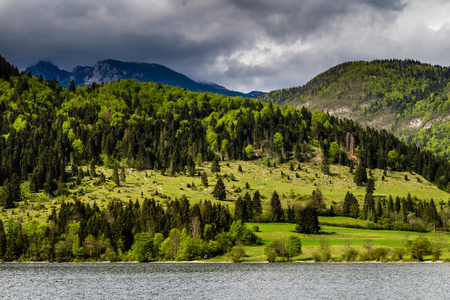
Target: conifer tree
[215,167]
[2,240]
[240,210]
[248,206]
[123,176]
[275,208]
[219,190]
[204,179]
[115,176]
[308,220]
[360,175]
[370,187]
[256,200]
[368,210]
[11,192]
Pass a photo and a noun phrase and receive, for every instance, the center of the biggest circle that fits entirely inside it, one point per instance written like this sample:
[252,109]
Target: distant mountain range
[111,70]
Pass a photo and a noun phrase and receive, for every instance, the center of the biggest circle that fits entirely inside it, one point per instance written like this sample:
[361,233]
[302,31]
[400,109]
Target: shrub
[350,254]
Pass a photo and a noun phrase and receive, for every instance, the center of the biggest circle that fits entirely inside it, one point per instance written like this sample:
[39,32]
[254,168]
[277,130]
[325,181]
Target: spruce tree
[370,187]
[123,176]
[215,167]
[257,206]
[92,168]
[11,192]
[248,206]
[219,190]
[240,210]
[204,179]
[275,208]
[368,210]
[115,176]
[360,175]
[308,221]
[2,240]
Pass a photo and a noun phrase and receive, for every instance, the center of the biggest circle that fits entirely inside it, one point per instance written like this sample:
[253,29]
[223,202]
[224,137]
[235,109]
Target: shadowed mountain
[112,70]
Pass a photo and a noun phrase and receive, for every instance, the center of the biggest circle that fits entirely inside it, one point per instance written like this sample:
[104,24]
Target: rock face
[111,70]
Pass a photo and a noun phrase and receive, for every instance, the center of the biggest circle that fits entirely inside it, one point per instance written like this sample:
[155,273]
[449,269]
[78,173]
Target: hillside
[407,98]
[98,171]
[112,70]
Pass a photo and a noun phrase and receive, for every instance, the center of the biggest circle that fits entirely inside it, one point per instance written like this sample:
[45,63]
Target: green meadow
[339,239]
[292,185]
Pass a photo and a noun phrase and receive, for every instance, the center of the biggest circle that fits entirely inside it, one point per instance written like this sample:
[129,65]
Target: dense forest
[408,98]
[49,132]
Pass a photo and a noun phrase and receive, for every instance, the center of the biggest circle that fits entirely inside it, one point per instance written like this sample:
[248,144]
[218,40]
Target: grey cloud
[247,45]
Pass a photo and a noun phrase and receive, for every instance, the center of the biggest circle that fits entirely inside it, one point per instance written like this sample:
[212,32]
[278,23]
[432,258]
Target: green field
[339,238]
[151,184]
[294,186]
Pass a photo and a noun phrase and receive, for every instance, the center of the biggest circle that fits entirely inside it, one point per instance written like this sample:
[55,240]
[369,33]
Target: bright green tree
[293,246]
[420,247]
[142,248]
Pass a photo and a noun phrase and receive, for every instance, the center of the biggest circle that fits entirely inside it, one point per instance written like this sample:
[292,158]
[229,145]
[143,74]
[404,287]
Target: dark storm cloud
[244,45]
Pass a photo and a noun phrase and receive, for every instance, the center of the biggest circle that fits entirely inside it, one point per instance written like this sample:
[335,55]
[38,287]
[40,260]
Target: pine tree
[240,210]
[123,176]
[11,192]
[360,175]
[205,179]
[72,86]
[368,210]
[370,187]
[257,206]
[92,168]
[317,201]
[248,206]
[275,208]
[219,190]
[115,176]
[308,221]
[215,167]
[2,240]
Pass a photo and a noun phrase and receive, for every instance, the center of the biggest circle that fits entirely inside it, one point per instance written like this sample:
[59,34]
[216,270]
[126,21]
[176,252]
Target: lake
[225,281]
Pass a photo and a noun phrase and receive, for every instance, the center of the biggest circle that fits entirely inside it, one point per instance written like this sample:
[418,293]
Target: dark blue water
[225,281]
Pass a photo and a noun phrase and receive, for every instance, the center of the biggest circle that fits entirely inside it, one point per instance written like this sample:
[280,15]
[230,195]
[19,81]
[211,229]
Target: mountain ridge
[405,97]
[108,70]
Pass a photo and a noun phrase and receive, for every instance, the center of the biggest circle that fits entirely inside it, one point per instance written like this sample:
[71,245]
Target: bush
[350,254]
[380,254]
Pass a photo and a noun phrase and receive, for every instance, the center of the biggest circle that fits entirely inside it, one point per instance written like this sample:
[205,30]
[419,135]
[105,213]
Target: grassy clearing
[151,184]
[339,238]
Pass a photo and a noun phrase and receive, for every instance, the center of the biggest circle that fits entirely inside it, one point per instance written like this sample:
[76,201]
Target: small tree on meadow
[307,220]
[115,176]
[360,175]
[215,167]
[204,179]
[219,190]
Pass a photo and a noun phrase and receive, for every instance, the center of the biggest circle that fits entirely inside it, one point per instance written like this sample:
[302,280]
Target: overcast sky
[243,45]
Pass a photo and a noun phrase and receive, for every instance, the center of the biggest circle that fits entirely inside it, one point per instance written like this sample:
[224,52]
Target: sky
[243,45]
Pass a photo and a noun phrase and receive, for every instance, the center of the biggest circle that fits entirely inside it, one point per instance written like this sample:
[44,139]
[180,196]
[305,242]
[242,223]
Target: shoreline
[229,262]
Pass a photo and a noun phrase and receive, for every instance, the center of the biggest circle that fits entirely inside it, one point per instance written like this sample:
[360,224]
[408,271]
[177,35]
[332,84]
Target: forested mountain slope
[53,139]
[407,98]
[45,127]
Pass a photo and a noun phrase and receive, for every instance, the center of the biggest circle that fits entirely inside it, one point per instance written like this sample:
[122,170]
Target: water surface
[225,281]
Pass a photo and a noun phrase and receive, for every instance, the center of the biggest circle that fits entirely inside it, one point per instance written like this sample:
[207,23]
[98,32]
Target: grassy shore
[339,239]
